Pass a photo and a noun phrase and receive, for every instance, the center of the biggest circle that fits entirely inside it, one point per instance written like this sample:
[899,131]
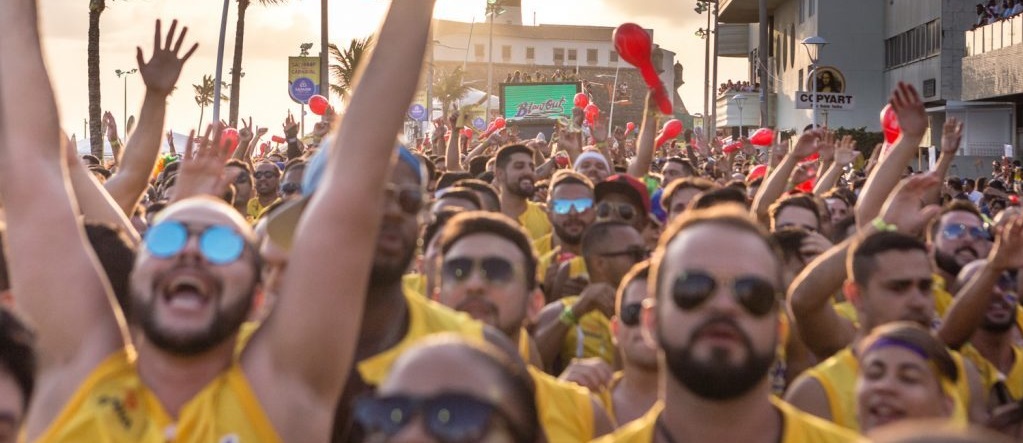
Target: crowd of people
[542,77]
[564,288]
[994,12]
[738,86]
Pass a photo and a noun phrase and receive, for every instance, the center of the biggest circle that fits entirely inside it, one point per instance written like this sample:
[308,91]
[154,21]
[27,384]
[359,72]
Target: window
[802,10]
[799,86]
[591,56]
[530,53]
[559,56]
[506,52]
[792,46]
[479,50]
[572,55]
[813,6]
[915,44]
[930,87]
[785,49]
[612,56]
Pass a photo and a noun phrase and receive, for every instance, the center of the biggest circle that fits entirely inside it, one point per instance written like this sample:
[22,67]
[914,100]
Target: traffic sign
[479,124]
[417,112]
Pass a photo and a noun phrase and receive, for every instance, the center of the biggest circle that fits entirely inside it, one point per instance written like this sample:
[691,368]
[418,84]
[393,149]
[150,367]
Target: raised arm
[452,158]
[309,339]
[951,134]
[971,302]
[55,278]
[913,121]
[778,180]
[845,152]
[645,144]
[160,75]
[93,200]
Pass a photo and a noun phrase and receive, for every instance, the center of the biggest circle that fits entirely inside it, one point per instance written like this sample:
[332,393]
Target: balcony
[728,115]
[995,36]
[744,11]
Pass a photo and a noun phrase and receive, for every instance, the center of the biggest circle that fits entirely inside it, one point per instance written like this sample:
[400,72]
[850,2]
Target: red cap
[627,185]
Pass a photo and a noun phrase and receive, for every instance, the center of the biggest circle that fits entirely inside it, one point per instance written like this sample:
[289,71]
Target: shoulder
[802,427]
[435,317]
[640,430]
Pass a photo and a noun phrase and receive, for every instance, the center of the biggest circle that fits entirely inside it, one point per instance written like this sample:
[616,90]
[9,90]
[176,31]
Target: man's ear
[853,293]
[535,305]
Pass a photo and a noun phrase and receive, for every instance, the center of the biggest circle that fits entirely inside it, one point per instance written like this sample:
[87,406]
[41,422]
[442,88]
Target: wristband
[292,140]
[883,226]
[567,317]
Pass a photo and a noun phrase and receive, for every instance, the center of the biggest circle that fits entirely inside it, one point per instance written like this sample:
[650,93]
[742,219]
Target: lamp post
[220,63]
[704,33]
[813,47]
[493,10]
[125,75]
[739,99]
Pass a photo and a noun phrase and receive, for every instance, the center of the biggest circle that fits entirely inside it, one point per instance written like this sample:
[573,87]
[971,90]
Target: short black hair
[439,220]
[698,183]
[478,165]
[804,201]
[639,272]
[462,193]
[569,177]
[714,197]
[431,167]
[482,222]
[790,240]
[504,154]
[449,178]
[91,159]
[861,262]
[481,187]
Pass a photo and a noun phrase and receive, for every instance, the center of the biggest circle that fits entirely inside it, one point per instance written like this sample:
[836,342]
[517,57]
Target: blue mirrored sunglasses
[562,207]
[218,244]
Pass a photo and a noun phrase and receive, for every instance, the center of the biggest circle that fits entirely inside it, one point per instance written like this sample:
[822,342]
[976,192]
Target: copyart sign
[537,101]
[825,100]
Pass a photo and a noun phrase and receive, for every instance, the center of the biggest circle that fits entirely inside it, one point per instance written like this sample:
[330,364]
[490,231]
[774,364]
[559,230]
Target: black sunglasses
[636,253]
[266,174]
[448,417]
[692,288]
[629,314]
[291,188]
[492,269]
[410,198]
[624,210]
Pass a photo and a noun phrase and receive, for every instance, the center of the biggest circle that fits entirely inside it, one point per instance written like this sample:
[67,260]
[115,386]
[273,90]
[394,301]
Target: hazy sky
[273,33]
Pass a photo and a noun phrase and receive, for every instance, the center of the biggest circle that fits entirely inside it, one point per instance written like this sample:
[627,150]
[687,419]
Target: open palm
[162,71]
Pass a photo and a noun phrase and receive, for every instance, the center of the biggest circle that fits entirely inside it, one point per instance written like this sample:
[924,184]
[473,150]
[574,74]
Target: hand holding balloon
[634,45]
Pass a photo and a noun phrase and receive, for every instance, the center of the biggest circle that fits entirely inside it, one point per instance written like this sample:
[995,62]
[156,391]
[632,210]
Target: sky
[274,33]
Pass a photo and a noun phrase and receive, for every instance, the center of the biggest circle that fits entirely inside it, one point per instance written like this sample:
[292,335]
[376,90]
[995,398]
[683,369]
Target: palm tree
[449,88]
[239,40]
[96,8]
[347,64]
[204,96]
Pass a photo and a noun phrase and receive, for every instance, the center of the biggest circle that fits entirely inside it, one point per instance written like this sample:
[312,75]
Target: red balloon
[635,46]
[890,124]
[229,136]
[318,104]
[762,137]
[629,127]
[581,100]
[467,133]
[757,172]
[277,139]
[499,123]
[806,186]
[732,147]
[671,129]
[592,111]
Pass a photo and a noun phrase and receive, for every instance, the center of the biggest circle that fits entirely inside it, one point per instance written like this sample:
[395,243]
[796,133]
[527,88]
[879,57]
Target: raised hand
[1007,253]
[202,172]
[845,151]
[909,110]
[951,135]
[807,144]
[905,206]
[290,126]
[827,146]
[245,134]
[161,73]
[110,123]
[803,172]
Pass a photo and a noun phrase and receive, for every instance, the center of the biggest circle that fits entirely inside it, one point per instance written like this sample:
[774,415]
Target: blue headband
[410,159]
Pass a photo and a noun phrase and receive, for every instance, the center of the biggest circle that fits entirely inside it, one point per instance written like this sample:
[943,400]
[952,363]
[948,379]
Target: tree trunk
[202,113]
[236,69]
[96,8]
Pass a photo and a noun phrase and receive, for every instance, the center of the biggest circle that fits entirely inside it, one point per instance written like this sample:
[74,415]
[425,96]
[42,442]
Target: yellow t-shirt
[607,397]
[837,376]
[414,284]
[544,245]
[426,317]
[576,266]
[255,209]
[114,405]
[797,427]
[534,219]
[565,410]
[590,338]
[990,374]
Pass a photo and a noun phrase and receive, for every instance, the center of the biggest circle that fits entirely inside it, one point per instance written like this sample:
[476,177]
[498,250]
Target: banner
[528,101]
[303,78]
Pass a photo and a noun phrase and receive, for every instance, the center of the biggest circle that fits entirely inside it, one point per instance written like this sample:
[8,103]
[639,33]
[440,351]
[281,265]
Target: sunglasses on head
[218,244]
[958,230]
[410,198]
[624,210]
[563,206]
[448,417]
[757,295]
[492,269]
[266,174]
[636,253]
[629,314]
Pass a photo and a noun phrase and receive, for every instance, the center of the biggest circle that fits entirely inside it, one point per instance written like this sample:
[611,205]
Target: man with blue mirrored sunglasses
[570,209]
[196,277]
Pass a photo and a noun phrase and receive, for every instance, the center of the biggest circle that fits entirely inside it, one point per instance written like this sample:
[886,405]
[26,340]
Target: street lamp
[703,6]
[813,47]
[494,9]
[125,75]
[739,99]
